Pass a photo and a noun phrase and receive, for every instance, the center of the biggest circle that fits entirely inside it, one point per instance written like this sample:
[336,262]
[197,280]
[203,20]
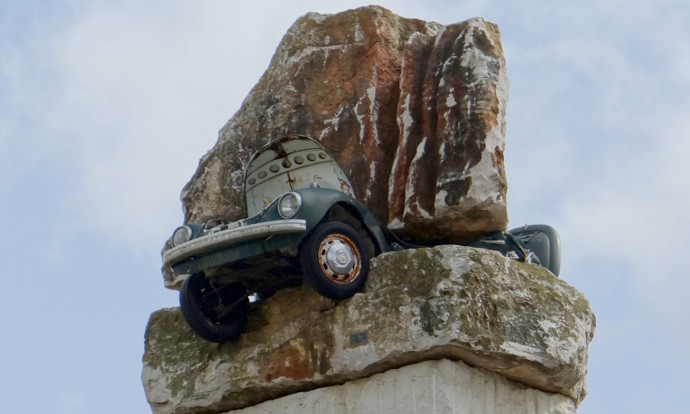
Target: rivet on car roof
[299,159]
[262,174]
[274,168]
[311,157]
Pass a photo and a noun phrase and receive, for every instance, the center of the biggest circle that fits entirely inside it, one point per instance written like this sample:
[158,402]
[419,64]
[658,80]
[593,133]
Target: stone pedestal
[429,387]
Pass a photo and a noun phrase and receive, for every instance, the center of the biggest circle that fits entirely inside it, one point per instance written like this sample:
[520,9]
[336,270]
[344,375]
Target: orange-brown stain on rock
[497,156]
[290,360]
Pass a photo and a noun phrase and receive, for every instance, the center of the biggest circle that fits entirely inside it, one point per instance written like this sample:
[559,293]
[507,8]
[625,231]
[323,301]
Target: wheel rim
[339,259]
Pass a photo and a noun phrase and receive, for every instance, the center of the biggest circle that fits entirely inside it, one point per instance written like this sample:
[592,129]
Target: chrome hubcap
[339,259]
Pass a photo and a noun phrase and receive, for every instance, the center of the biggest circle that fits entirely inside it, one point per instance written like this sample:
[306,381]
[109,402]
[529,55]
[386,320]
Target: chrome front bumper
[221,239]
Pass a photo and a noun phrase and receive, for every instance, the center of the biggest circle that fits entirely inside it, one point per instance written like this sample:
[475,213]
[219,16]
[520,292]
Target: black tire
[335,260]
[215,314]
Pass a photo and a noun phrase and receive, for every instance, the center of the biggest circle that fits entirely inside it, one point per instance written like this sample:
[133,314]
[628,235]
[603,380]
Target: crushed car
[303,222]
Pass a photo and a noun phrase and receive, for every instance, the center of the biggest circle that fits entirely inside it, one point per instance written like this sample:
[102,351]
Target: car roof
[290,163]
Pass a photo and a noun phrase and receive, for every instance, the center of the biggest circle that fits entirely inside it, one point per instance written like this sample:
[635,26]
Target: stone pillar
[429,387]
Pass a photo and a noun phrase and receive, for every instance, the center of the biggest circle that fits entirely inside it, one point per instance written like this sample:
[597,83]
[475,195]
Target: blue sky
[107,106]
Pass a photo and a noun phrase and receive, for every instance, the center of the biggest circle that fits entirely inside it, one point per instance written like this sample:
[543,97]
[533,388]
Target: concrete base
[430,387]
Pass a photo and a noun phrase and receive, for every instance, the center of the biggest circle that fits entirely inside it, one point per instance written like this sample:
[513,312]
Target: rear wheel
[335,260]
[217,314]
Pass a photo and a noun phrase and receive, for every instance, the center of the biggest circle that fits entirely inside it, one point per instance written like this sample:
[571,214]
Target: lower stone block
[429,387]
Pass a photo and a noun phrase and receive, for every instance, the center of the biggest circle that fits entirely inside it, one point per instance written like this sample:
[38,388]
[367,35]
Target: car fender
[318,202]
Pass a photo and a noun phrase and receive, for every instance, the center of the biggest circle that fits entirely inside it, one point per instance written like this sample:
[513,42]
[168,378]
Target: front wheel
[217,314]
[335,260]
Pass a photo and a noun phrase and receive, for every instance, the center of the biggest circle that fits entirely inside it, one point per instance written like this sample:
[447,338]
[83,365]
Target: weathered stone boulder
[413,111]
[448,302]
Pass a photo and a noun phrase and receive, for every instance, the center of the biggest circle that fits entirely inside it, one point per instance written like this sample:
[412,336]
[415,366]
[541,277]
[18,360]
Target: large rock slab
[459,303]
[413,111]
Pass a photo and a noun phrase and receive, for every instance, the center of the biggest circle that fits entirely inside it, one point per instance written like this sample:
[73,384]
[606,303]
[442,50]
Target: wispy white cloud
[143,92]
[636,214]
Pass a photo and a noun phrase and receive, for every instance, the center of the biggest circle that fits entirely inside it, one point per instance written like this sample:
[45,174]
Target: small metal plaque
[359,338]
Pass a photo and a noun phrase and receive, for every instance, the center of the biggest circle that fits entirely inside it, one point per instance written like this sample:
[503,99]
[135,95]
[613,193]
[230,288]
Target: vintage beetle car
[303,221]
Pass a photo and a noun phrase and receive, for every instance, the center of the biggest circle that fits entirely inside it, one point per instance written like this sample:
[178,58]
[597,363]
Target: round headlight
[289,205]
[181,235]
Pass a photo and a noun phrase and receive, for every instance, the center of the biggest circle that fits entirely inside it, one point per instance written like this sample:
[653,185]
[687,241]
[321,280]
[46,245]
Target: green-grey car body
[303,221]
[299,169]
[294,169]
[269,232]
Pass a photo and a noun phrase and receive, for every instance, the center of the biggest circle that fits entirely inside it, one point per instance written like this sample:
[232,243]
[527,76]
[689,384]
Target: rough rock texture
[439,386]
[447,302]
[413,111]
